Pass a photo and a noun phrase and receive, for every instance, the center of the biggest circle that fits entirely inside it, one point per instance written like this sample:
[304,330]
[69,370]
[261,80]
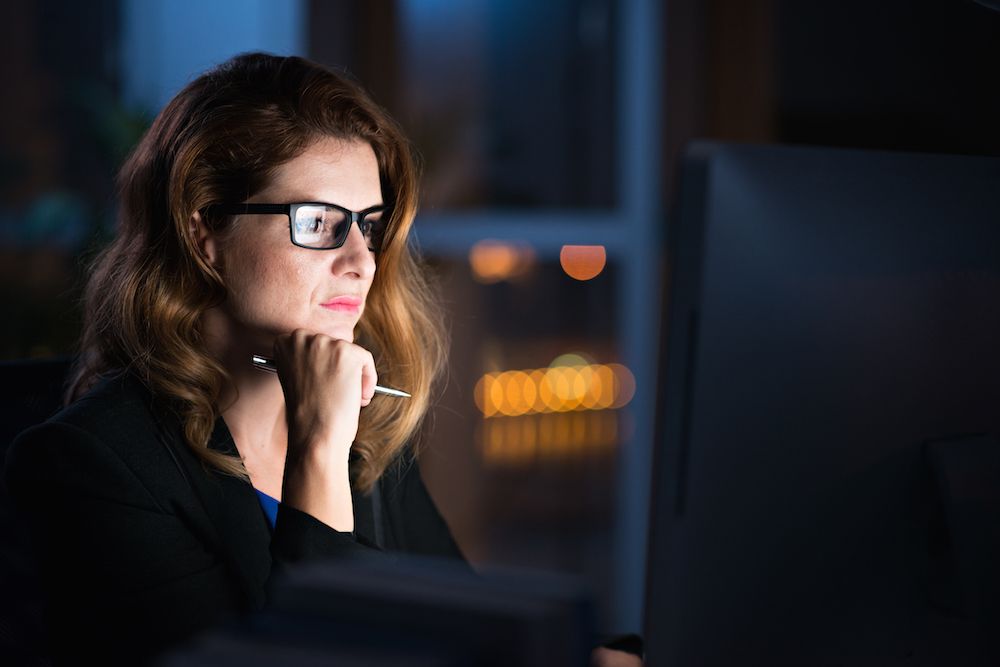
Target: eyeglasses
[321,226]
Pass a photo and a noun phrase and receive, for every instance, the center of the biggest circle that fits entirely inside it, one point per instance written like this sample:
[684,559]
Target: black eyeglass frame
[291,209]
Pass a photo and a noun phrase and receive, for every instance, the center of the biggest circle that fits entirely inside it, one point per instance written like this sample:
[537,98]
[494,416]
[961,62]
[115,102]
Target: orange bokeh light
[492,261]
[583,262]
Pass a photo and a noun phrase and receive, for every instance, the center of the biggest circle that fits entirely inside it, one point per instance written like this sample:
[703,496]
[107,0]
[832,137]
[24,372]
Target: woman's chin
[265,339]
[340,333]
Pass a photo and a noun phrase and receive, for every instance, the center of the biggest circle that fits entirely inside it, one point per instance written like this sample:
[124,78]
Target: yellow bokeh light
[625,382]
[607,379]
[560,384]
[489,405]
[549,389]
[478,394]
[496,394]
[537,379]
[528,392]
[592,387]
[512,392]
[578,388]
[554,389]
[569,359]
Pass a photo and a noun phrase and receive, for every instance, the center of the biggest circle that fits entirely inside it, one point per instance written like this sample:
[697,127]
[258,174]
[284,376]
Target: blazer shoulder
[116,421]
[117,407]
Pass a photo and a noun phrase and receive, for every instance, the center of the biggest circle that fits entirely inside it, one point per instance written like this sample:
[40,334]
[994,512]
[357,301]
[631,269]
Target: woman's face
[275,287]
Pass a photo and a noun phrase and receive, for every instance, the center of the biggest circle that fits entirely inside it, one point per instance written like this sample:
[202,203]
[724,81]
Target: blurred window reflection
[526,435]
[511,102]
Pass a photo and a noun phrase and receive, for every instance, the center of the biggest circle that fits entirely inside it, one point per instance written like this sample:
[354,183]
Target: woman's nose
[355,256]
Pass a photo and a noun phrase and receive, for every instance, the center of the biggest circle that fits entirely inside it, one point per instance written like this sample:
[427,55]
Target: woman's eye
[310,225]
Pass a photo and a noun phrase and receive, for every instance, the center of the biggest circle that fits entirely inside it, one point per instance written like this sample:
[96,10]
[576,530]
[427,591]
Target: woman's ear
[204,238]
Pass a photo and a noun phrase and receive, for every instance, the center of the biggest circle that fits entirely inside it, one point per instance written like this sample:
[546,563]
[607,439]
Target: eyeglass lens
[326,227]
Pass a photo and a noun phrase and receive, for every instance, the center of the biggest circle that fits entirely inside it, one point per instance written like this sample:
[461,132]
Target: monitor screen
[832,318]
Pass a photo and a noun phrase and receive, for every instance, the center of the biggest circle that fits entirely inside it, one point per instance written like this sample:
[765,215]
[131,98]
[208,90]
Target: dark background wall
[915,75]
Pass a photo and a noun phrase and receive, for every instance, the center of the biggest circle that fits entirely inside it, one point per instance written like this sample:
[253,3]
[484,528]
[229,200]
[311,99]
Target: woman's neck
[255,416]
[253,404]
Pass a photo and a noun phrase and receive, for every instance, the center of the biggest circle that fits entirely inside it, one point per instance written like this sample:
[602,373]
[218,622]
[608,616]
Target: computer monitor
[829,372]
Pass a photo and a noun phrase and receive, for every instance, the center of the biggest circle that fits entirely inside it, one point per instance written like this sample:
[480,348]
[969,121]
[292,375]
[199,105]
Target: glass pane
[511,102]
[525,438]
[63,132]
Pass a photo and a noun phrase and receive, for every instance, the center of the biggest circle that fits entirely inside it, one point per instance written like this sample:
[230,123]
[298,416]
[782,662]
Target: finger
[369,378]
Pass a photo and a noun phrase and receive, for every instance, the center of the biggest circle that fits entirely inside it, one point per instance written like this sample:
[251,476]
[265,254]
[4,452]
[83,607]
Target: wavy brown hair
[219,141]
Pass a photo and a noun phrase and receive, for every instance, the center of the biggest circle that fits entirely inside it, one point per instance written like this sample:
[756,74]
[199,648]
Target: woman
[265,212]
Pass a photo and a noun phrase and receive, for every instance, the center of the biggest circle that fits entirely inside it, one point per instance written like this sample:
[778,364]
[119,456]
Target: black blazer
[141,546]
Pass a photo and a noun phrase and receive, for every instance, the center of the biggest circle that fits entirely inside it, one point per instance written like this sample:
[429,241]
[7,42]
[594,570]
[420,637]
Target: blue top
[270,507]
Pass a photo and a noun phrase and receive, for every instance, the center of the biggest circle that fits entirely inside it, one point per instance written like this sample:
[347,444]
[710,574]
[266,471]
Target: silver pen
[265,364]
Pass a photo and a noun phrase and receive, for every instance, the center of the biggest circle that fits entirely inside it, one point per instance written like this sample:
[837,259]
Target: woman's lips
[348,304]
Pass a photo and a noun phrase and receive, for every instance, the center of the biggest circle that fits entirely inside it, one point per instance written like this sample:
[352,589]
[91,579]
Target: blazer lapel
[237,528]
[366,528]
[241,535]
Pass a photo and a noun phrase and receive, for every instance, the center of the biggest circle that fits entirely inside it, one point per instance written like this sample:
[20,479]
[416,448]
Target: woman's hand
[326,382]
